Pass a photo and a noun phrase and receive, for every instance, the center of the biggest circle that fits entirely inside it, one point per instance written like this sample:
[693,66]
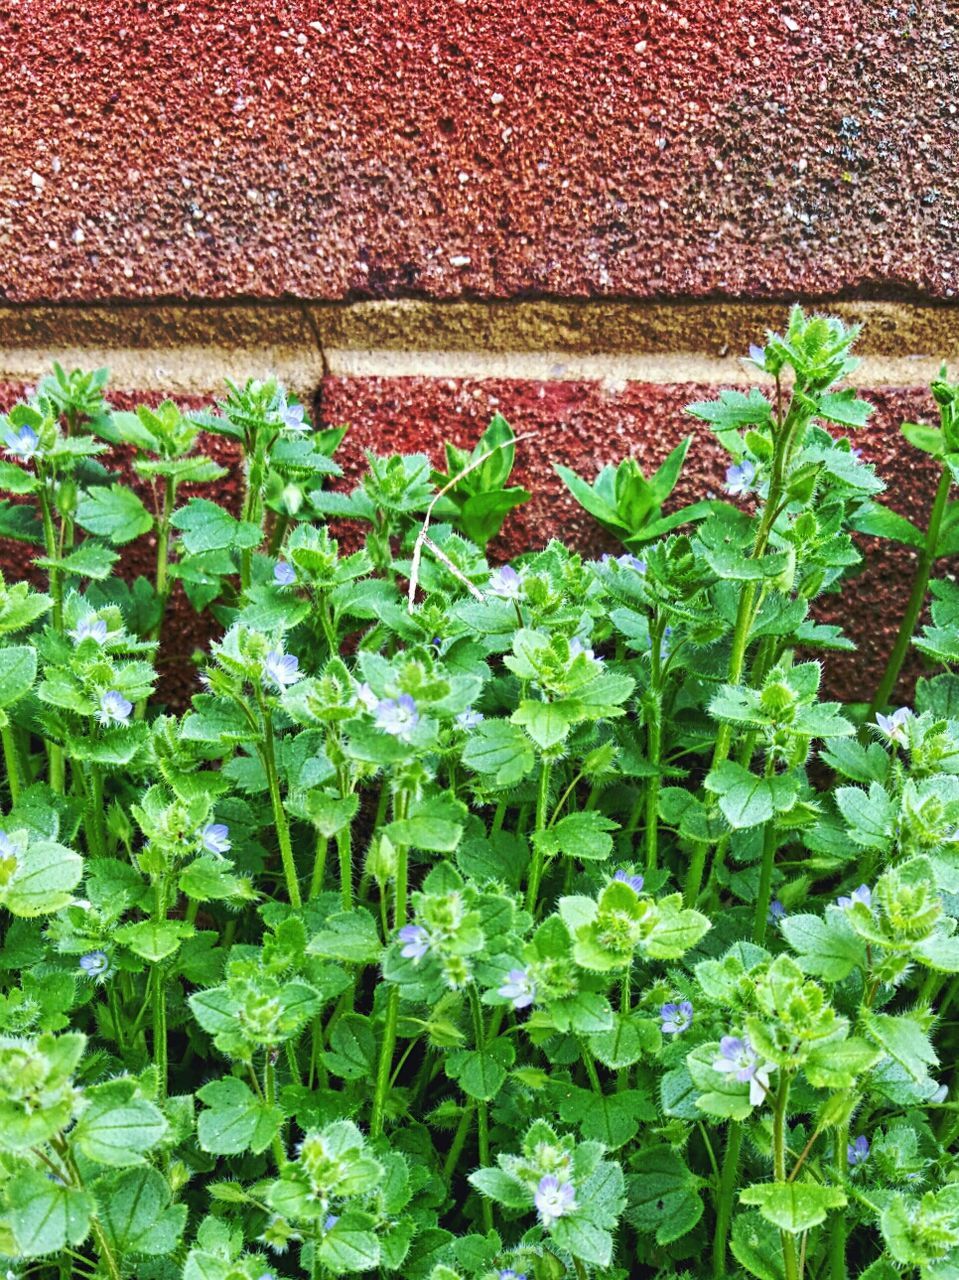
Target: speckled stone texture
[357,148]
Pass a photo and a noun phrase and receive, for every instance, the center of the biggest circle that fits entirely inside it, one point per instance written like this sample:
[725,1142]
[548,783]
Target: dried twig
[422,539]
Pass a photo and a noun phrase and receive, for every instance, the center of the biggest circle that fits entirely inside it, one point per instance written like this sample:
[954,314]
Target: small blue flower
[89,628]
[676,1018]
[666,644]
[114,708]
[95,964]
[7,848]
[292,416]
[397,716]
[281,669]
[215,838]
[863,894]
[740,480]
[24,444]
[577,647]
[284,574]
[330,1221]
[554,1200]
[858,1152]
[506,583]
[757,355]
[519,987]
[634,882]
[366,697]
[510,1274]
[895,727]
[776,912]
[416,942]
[470,718]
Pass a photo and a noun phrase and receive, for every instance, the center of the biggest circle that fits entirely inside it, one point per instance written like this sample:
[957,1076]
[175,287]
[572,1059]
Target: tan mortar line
[184,348]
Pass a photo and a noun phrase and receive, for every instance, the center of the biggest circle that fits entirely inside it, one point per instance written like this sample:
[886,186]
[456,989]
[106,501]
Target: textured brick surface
[362,148]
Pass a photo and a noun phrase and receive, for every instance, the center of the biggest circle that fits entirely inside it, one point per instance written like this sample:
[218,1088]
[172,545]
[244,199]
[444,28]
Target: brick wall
[578,213]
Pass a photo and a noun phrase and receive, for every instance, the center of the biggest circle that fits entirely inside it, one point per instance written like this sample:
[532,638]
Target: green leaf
[547,723]
[664,1195]
[113,512]
[793,1206]
[348,936]
[837,1064]
[844,408]
[748,800]
[584,1240]
[583,835]
[928,439]
[827,948]
[757,1246]
[870,815]
[90,560]
[350,1245]
[904,1039]
[352,1052]
[118,1125]
[42,882]
[137,1213]
[501,749]
[719,1095]
[205,526]
[46,1215]
[18,670]
[235,1120]
[506,1190]
[481,1072]
[154,940]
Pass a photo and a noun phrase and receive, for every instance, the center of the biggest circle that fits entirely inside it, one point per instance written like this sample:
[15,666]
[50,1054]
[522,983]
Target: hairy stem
[536,866]
[279,814]
[724,1198]
[917,597]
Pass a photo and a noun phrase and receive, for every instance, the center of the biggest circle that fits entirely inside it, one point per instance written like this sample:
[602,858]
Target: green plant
[473,921]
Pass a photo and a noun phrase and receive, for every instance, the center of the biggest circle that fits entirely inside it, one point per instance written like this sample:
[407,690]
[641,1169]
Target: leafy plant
[473,921]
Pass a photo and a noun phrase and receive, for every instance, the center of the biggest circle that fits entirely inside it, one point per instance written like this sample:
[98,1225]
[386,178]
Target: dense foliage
[531,921]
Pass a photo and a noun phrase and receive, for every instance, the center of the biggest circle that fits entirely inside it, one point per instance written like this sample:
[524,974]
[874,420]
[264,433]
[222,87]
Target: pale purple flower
[577,647]
[519,987]
[894,726]
[510,1274]
[215,838]
[24,444]
[740,480]
[676,1018]
[89,628]
[757,355]
[776,912]
[95,964]
[858,1152]
[330,1221]
[635,882]
[863,894]
[416,942]
[281,669]
[665,645]
[284,575]
[397,716]
[738,1058]
[470,718]
[856,453]
[554,1200]
[506,583]
[628,561]
[291,415]
[114,708]
[366,697]
[7,848]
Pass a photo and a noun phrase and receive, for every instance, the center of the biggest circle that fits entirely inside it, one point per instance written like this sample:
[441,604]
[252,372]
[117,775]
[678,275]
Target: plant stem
[482,1114]
[11,762]
[764,893]
[269,1095]
[654,711]
[837,1223]
[95,826]
[790,1264]
[344,850]
[917,597]
[384,1066]
[279,814]
[724,1202]
[159,1001]
[536,866]
[57,768]
[319,867]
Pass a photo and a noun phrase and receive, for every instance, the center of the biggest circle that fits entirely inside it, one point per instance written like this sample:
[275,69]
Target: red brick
[683,148]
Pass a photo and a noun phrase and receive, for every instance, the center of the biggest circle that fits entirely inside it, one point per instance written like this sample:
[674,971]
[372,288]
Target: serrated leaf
[113,512]
[793,1206]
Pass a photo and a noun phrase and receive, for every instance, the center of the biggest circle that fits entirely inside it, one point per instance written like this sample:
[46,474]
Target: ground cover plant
[474,921]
